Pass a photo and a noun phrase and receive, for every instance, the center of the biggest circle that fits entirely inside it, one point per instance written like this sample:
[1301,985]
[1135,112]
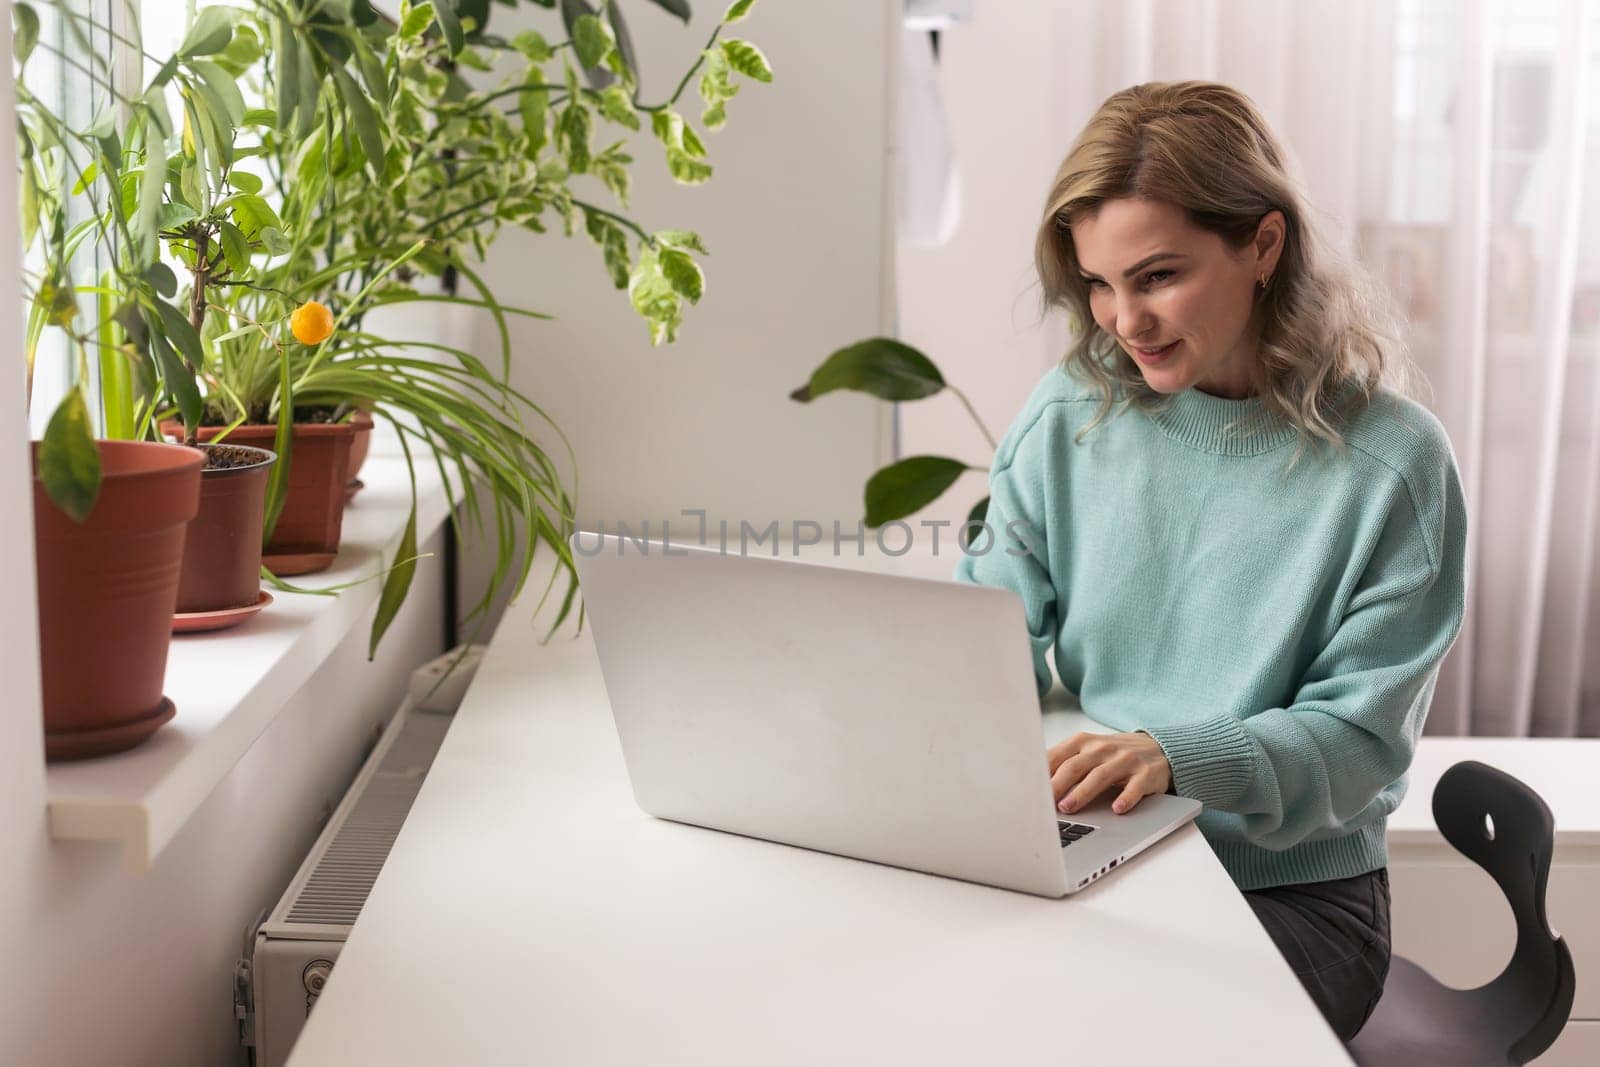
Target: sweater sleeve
[1305,771]
[1011,554]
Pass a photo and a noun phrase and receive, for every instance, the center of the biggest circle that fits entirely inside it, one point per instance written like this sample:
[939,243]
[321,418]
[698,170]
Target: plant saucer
[291,563]
[104,740]
[195,621]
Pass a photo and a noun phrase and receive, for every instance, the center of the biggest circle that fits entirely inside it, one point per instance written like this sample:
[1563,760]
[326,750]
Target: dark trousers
[1335,936]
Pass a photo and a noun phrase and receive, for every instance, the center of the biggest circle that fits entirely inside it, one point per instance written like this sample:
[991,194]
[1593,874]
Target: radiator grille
[337,887]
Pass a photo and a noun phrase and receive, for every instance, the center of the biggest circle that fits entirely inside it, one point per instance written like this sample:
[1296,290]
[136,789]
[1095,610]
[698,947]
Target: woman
[1263,625]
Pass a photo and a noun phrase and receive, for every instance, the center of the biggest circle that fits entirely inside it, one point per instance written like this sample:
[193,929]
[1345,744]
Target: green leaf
[373,74]
[151,183]
[175,214]
[287,73]
[397,584]
[679,8]
[617,105]
[416,20]
[175,377]
[682,273]
[747,59]
[274,241]
[535,106]
[472,57]
[681,239]
[307,91]
[283,445]
[222,88]
[667,125]
[613,243]
[574,132]
[881,367]
[25,32]
[244,181]
[86,179]
[621,59]
[715,117]
[365,119]
[979,510]
[909,486]
[611,167]
[445,15]
[243,52]
[692,144]
[56,299]
[685,170]
[181,334]
[161,278]
[235,248]
[591,39]
[737,10]
[531,43]
[211,32]
[69,462]
[251,213]
[653,298]
[260,116]
[615,250]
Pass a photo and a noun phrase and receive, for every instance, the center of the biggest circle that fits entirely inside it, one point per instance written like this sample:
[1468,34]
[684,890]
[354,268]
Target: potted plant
[110,514]
[382,172]
[893,371]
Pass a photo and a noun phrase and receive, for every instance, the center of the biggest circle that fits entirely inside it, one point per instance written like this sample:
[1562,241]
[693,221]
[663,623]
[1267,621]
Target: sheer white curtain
[1455,146]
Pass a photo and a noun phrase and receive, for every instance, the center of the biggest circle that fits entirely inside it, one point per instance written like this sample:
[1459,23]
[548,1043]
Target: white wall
[796,221]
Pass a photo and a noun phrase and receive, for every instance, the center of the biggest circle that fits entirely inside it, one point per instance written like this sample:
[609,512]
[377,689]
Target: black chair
[1504,827]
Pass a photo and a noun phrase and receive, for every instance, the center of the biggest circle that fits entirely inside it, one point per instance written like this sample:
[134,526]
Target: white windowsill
[229,685]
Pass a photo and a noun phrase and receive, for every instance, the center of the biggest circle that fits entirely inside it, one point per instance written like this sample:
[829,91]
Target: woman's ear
[1269,239]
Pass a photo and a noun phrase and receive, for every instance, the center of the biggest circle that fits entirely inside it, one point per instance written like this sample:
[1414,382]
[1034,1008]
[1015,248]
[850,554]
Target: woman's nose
[1133,318]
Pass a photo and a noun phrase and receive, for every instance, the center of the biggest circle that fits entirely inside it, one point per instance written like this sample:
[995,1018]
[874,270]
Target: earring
[1264,279]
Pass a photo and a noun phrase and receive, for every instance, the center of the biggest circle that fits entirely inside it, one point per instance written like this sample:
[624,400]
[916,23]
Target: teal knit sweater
[1278,635]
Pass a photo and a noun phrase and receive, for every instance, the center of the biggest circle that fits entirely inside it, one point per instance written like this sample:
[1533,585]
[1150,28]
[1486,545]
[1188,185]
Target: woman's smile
[1152,356]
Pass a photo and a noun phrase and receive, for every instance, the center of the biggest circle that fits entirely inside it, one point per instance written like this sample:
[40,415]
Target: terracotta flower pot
[362,442]
[306,538]
[359,445]
[222,552]
[107,589]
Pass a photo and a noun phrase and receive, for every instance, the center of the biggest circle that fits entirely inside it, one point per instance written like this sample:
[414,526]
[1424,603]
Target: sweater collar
[1201,420]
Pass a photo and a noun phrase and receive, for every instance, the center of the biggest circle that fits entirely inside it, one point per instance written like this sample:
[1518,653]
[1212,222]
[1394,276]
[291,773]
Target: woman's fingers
[1131,794]
[1062,751]
[1093,784]
[1071,771]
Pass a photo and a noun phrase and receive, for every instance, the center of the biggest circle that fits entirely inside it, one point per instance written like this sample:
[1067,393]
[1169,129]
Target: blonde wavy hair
[1328,335]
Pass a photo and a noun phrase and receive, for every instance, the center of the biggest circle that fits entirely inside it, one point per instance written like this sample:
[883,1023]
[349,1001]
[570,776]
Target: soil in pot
[222,551]
[107,589]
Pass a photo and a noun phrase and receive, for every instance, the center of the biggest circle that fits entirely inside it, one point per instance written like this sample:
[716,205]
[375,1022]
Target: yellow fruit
[311,323]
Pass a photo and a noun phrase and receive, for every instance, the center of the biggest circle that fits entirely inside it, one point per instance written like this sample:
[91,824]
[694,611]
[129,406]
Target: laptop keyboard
[1072,831]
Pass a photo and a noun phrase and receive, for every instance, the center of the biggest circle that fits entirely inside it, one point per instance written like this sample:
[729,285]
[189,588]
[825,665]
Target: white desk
[532,914]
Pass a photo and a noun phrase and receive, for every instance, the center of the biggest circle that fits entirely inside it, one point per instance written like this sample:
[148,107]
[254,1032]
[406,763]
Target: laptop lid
[884,718]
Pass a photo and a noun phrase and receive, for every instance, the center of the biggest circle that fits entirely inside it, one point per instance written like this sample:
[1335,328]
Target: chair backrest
[1505,827]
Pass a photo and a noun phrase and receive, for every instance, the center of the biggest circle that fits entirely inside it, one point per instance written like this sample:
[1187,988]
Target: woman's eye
[1157,274]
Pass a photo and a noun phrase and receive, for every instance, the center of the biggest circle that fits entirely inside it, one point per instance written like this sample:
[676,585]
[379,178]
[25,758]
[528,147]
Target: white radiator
[290,955]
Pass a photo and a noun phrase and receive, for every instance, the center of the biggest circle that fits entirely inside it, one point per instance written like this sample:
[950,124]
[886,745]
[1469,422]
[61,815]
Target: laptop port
[1116,861]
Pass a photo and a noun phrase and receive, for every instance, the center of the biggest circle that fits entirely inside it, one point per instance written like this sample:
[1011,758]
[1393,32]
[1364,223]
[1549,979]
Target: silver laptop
[873,716]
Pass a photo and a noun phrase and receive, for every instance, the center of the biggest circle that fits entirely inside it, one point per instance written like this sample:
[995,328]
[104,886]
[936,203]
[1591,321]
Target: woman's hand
[1086,765]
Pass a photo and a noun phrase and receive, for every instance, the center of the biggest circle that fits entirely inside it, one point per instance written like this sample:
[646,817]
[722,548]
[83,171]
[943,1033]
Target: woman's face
[1176,297]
